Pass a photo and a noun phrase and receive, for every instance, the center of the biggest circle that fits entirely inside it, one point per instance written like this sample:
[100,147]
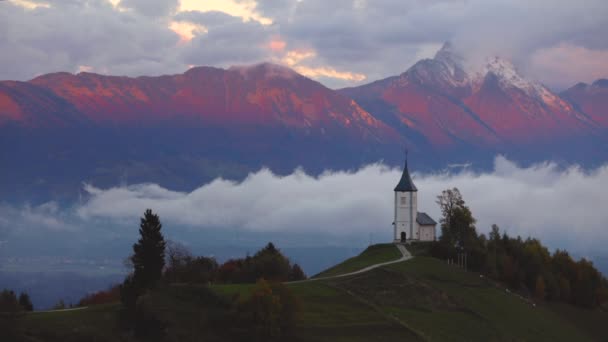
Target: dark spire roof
[406,184]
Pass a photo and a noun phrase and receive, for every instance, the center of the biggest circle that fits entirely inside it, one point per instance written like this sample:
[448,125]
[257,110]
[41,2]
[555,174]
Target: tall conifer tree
[149,252]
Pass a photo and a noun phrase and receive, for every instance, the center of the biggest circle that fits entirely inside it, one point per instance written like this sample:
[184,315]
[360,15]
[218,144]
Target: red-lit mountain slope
[451,103]
[590,99]
[179,131]
[263,95]
[29,105]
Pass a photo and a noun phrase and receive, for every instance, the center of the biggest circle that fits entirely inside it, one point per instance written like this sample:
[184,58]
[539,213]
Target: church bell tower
[406,208]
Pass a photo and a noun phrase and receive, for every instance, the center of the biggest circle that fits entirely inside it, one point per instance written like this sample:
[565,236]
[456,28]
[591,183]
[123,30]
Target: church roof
[405,184]
[424,219]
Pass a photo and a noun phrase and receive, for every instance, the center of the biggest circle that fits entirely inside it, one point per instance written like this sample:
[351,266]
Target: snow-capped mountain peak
[507,73]
[453,61]
[509,78]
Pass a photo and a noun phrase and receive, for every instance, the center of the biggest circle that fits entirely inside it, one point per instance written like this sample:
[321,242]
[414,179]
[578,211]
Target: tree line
[523,264]
[11,303]
[267,312]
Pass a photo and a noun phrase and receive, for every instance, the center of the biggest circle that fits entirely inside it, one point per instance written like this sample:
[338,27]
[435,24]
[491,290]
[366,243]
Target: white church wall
[427,233]
[405,215]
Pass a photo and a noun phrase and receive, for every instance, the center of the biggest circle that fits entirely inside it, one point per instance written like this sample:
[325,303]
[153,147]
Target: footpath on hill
[405,255]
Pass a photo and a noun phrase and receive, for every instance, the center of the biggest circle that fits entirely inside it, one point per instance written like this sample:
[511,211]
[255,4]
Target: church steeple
[405,184]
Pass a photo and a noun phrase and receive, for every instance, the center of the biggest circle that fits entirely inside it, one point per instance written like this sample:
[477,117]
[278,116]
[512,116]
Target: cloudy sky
[340,42]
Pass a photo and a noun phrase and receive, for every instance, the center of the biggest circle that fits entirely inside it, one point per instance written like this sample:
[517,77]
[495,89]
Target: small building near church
[408,223]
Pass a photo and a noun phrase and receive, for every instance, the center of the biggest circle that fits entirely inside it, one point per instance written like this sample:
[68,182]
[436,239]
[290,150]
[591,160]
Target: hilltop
[421,299]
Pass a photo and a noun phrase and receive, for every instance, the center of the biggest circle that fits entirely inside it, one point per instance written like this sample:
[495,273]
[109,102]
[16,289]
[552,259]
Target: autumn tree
[539,290]
[270,312]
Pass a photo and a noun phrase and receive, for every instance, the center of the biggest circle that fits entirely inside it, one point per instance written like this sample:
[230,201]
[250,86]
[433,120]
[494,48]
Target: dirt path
[405,255]
[61,310]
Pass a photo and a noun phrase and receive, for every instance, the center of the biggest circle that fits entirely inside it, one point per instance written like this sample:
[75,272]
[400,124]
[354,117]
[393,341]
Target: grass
[468,307]
[420,248]
[372,255]
[593,322]
[77,325]
[331,314]
[422,299]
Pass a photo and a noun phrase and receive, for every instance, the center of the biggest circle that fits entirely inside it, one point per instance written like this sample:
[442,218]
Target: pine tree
[296,273]
[25,302]
[149,252]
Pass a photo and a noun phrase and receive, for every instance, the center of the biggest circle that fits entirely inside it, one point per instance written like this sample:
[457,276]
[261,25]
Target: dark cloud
[71,35]
[375,38]
[228,40]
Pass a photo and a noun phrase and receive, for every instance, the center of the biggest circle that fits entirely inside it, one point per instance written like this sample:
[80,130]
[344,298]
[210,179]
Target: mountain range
[59,130]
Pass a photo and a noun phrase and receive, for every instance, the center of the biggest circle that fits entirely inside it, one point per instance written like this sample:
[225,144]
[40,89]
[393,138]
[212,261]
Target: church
[409,224]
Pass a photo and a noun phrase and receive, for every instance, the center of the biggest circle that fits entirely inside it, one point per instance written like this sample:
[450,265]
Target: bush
[110,295]
[9,302]
[270,312]
[147,325]
[268,263]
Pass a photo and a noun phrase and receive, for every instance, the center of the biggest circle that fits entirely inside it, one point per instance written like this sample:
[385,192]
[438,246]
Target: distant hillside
[422,299]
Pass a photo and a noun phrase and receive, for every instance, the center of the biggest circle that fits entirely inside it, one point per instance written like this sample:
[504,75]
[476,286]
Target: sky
[339,42]
[565,208]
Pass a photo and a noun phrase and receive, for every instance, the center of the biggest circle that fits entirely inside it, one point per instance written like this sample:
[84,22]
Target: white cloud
[563,207]
[43,218]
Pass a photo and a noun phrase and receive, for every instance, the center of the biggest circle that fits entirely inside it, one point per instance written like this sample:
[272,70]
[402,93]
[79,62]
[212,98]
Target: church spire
[405,184]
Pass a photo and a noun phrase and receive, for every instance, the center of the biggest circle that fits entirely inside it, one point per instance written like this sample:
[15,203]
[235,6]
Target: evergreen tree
[296,273]
[9,302]
[26,302]
[149,252]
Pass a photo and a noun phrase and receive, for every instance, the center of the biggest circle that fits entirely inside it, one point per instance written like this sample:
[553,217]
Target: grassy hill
[422,299]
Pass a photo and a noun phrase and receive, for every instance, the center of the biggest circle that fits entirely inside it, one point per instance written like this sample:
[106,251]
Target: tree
[262,311]
[457,222]
[9,321]
[26,302]
[60,305]
[540,288]
[269,263]
[270,312]
[9,302]
[149,252]
[296,273]
[449,200]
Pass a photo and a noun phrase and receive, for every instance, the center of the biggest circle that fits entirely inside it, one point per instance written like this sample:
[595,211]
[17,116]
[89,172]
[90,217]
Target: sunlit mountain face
[452,103]
[59,130]
[590,99]
[181,130]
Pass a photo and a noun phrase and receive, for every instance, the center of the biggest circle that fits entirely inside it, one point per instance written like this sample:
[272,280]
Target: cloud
[152,8]
[353,41]
[245,9]
[46,217]
[583,64]
[561,206]
[69,34]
